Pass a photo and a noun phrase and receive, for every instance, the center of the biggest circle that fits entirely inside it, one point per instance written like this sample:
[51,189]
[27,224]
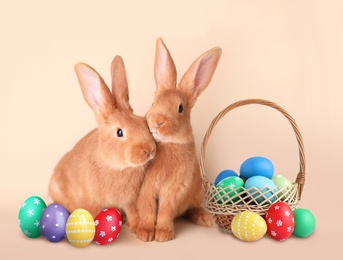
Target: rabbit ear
[199,74]
[94,90]
[120,89]
[164,71]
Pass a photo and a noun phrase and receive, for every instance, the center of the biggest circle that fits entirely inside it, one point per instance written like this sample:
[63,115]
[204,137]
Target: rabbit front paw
[145,235]
[163,235]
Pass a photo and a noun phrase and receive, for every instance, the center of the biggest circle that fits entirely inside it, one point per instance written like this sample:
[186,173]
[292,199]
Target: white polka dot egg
[80,228]
[53,223]
[248,226]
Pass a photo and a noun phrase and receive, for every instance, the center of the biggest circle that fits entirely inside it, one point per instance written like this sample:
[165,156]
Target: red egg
[280,221]
[108,225]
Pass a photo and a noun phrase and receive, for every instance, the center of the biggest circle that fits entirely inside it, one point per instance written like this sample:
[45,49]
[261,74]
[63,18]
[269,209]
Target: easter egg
[304,222]
[256,166]
[282,183]
[224,174]
[80,228]
[248,226]
[53,222]
[108,225]
[231,187]
[261,189]
[29,216]
[280,221]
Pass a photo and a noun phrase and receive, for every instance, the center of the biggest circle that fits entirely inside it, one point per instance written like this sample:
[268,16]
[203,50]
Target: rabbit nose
[150,154]
[157,121]
[159,124]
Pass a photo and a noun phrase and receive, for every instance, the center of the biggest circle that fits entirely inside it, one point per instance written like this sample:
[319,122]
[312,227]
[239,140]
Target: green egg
[29,216]
[231,187]
[282,183]
[304,222]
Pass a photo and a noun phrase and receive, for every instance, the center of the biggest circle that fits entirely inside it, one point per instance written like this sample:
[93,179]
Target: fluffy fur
[107,166]
[172,185]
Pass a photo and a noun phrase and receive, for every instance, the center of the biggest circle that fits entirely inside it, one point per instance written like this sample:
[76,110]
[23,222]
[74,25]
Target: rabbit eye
[120,133]
[180,108]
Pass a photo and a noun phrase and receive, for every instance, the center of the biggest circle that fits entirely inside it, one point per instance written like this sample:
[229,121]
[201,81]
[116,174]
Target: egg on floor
[80,228]
[29,216]
[304,222]
[108,224]
[248,226]
[53,222]
[280,221]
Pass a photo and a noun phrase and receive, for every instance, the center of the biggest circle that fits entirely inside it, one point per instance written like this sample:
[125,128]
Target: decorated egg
[108,225]
[282,183]
[248,226]
[223,175]
[261,189]
[80,228]
[231,187]
[280,221]
[304,222]
[256,166]
[29,216]
[53,222]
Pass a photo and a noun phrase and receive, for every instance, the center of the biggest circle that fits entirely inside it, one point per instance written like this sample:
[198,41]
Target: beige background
[290,52]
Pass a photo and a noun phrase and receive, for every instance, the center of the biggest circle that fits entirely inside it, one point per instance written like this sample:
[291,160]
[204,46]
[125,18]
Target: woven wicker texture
[224,208]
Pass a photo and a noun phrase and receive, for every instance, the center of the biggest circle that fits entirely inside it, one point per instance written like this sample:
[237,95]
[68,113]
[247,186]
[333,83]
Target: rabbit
[172,185]
[106,167]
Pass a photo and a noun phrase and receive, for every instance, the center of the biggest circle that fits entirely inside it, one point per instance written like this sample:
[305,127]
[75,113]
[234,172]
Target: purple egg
[53,222]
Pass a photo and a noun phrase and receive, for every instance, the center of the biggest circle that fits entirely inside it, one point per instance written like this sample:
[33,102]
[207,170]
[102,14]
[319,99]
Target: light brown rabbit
[107,166]
[172,185]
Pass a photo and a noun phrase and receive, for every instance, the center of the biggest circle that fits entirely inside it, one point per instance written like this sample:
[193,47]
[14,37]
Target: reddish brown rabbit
[172,185]
[107,166]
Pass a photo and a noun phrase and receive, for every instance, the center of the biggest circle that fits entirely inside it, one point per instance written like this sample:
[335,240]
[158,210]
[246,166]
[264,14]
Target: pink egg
[280,221]
[108,225]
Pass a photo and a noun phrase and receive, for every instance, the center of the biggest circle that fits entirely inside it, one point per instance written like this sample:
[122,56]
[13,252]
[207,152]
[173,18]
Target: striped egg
[80,228]
[248,226]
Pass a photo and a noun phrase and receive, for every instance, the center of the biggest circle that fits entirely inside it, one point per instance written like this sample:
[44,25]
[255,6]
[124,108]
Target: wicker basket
[246,199]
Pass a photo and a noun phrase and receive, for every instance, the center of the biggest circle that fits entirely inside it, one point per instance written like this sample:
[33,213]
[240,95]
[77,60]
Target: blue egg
[223,175]
[256,166]
[262,189]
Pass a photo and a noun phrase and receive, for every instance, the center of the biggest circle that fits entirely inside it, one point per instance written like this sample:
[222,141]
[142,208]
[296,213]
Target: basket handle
[300,180]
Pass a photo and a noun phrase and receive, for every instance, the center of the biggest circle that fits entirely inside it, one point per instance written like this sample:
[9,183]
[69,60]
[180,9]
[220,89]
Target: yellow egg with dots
[80,228]
[248,226]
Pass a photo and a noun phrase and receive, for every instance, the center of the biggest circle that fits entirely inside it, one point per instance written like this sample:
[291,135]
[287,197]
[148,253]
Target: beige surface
[290,52]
